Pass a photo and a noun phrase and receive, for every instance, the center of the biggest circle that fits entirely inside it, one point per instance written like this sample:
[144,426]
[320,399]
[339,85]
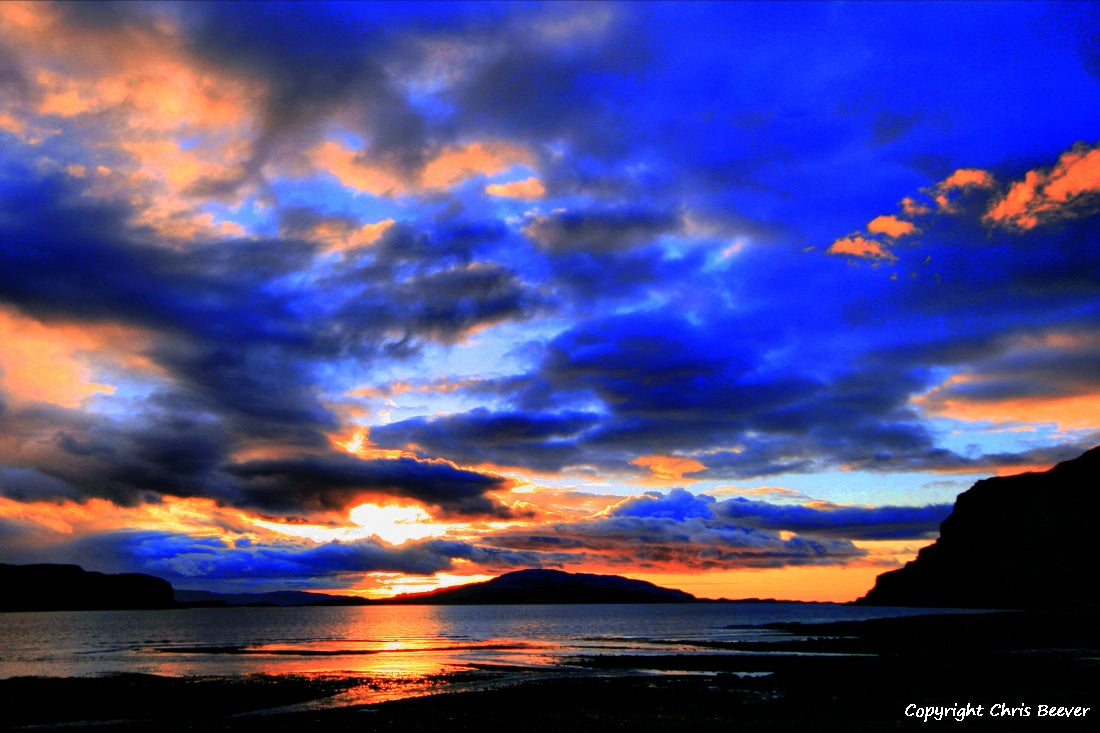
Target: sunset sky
[369,299]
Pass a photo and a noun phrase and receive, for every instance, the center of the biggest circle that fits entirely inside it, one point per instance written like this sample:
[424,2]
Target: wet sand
[859,676]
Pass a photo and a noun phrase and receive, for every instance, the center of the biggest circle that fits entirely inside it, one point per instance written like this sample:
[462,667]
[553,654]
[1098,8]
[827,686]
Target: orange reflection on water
[400,643]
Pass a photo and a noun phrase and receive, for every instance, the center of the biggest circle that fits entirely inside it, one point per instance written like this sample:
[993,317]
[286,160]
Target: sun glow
[395,584]
[393,524]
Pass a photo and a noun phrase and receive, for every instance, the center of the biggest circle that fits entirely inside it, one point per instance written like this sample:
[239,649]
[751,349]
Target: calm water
[379,641]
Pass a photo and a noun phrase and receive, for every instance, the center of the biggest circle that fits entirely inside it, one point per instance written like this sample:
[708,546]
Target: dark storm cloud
[28,485]
[68,256]
[445,305]
[239,339]
[668,383]
[172,452]
[412,247]
[540,441]
[587,279]
[557,74]
[335,481]
[311,60]
[692,543]
[425,283]
[807,378]
[10,532]
[228,329]
[598,231]
[1066,365]
[608,255]
[73,455]
[944,460]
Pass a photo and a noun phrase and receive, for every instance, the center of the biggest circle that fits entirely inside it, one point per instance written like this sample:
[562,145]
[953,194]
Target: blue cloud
[859,523]
[677,504]
[847,522]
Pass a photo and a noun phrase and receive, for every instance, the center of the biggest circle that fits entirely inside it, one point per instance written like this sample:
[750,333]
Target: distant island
[518,587]
[1024,542]
[550,586]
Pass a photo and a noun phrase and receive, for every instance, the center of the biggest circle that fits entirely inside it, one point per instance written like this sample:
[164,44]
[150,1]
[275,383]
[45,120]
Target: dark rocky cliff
[70,588]
[1025,541]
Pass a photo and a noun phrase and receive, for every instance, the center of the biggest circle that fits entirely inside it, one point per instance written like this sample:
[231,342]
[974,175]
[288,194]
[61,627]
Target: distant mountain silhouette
[71,588]
[549,586]
[1025,541]
[521,586]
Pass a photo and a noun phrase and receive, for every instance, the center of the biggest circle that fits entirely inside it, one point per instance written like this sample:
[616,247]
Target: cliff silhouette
[1024,541]
[71,588]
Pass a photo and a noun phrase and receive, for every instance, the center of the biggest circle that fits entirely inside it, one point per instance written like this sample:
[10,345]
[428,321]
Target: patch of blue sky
[488,356]
[981,437]
[862,488]
[126,398]
[190,143]
[496,350]
[326,195]
[252,215]
[347,139]
[429,104]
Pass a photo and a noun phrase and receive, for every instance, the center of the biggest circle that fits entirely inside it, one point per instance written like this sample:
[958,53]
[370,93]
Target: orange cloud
[355,171]
[459,163]
[136,90]
[145,75]
[184,515]
[757,491]
[530,188]
[54,362]
[964,177]
[1071,405]
[912,207]
[1016,206]
[891,226]
[1074,412]
[1043,195]
[1077,172]
[356,440]
[566,504]
[338,236]
[1050,194]
[669,468]
[450,167]
[859,246]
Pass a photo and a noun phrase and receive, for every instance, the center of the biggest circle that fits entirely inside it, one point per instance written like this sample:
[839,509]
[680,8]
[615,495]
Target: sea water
[382,641]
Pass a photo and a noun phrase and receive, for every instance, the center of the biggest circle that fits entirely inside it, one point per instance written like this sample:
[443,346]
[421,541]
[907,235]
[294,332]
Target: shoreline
[851,676]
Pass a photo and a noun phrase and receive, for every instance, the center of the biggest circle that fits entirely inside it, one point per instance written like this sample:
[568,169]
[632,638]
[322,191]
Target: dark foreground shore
[997,672]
